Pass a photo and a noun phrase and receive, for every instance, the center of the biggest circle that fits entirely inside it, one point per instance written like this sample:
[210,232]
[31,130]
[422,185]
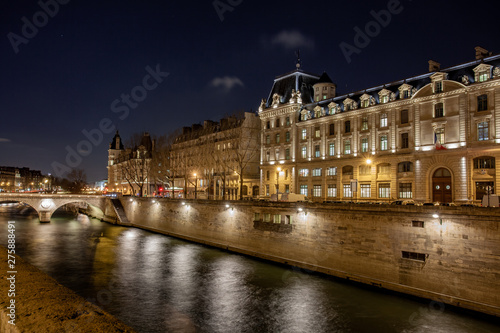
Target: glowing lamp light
[436,216]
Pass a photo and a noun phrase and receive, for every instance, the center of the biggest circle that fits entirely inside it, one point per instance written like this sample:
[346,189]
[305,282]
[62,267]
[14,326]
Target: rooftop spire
[299,62]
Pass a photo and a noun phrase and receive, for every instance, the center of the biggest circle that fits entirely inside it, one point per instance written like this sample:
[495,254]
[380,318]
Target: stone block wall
[449,254]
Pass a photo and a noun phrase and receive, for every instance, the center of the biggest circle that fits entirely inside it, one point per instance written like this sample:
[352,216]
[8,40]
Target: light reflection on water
[156,283]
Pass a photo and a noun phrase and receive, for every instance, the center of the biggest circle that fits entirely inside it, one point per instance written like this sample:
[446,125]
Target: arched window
[347,170]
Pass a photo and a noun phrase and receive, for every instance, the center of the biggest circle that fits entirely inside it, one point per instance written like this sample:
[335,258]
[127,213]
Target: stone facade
[218,160]
[430,138]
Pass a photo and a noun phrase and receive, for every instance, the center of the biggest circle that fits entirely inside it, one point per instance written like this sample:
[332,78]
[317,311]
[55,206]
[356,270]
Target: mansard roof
[454,73]
[297,80]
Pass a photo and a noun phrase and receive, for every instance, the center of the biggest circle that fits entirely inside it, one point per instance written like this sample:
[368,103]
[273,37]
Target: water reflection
[156,283]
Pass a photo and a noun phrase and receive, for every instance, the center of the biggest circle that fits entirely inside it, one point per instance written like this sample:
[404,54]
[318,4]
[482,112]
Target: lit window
[277,154]
[304,134]
[287,153]
[364,123]
[366,190]
[317,132]
[405,191]
[303,189]
[406,94]
[365,103]
[484,76]
[383,120]
[287,188]
[317,191]
[332,191]
[482,131]
[316,172]
[287,136]
[317,152]
[482,103]
[439,135]
[268,139]
[267,190]
[331,171]
[438,110]
[347,191]
[385,98]
[331,149]
[287,121]
[277,138]
[304,152]
[304,172]
[383,142]
[384,190]
[364,145]
[347,147]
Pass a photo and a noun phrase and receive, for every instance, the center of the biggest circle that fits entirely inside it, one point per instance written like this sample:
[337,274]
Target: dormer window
[482,73]
[405,91]
[384,96]
[366,100]
[437,81]
[334,108]
[349,104]
[318,111]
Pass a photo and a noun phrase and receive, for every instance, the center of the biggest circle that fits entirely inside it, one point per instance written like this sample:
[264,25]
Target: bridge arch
[46,204]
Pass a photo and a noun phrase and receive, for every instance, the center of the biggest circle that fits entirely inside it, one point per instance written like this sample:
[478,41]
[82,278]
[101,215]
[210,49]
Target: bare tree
[136,163]
[77,180]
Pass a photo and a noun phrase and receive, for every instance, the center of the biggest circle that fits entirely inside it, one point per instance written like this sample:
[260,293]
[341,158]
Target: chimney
[434,66]
[481,53]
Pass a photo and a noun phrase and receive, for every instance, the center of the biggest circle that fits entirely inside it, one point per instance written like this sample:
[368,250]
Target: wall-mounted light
[183,203]
[436,216]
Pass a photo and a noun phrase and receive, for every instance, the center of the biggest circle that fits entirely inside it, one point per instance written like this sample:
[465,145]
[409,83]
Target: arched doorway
[441,186]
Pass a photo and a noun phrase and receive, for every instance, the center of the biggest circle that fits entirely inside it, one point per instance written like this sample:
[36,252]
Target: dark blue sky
[65,77]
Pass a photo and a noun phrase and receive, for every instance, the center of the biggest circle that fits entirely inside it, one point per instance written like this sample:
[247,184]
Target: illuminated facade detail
[395,123]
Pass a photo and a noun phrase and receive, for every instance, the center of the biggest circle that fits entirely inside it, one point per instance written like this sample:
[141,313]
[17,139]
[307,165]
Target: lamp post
[195,185]
[278,183]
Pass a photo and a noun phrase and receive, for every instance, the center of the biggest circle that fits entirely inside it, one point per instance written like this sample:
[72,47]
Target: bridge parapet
[46,204]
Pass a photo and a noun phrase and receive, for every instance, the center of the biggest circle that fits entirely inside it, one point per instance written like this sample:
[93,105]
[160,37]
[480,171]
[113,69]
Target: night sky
[186,61]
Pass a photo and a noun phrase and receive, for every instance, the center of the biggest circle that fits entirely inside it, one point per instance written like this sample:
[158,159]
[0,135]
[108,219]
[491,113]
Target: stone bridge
[46,204]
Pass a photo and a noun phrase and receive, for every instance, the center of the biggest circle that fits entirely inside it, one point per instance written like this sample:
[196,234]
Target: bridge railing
[46,195]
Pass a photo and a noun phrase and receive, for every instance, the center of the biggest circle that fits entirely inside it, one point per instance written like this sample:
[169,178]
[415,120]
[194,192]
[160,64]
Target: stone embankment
[447,254]
[43,305]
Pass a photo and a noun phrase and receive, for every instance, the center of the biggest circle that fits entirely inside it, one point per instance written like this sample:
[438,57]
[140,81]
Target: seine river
[156,283]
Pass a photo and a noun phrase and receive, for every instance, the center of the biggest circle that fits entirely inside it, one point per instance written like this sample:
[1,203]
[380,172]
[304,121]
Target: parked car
[403,202]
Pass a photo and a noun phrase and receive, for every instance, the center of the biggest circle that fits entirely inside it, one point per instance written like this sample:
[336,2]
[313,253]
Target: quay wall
[447,254]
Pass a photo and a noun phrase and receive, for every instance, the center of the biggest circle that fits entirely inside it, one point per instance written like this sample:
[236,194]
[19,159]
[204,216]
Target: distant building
[128,168]
[432,137]
[207,160]
[13,179]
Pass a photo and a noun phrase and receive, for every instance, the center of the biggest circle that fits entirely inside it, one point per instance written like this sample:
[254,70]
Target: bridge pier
[44,216]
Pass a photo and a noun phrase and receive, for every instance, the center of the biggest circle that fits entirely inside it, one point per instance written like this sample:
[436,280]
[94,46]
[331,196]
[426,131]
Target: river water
[156,283]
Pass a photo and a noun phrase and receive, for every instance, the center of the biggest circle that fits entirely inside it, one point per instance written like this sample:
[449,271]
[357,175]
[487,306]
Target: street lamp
[195,185]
